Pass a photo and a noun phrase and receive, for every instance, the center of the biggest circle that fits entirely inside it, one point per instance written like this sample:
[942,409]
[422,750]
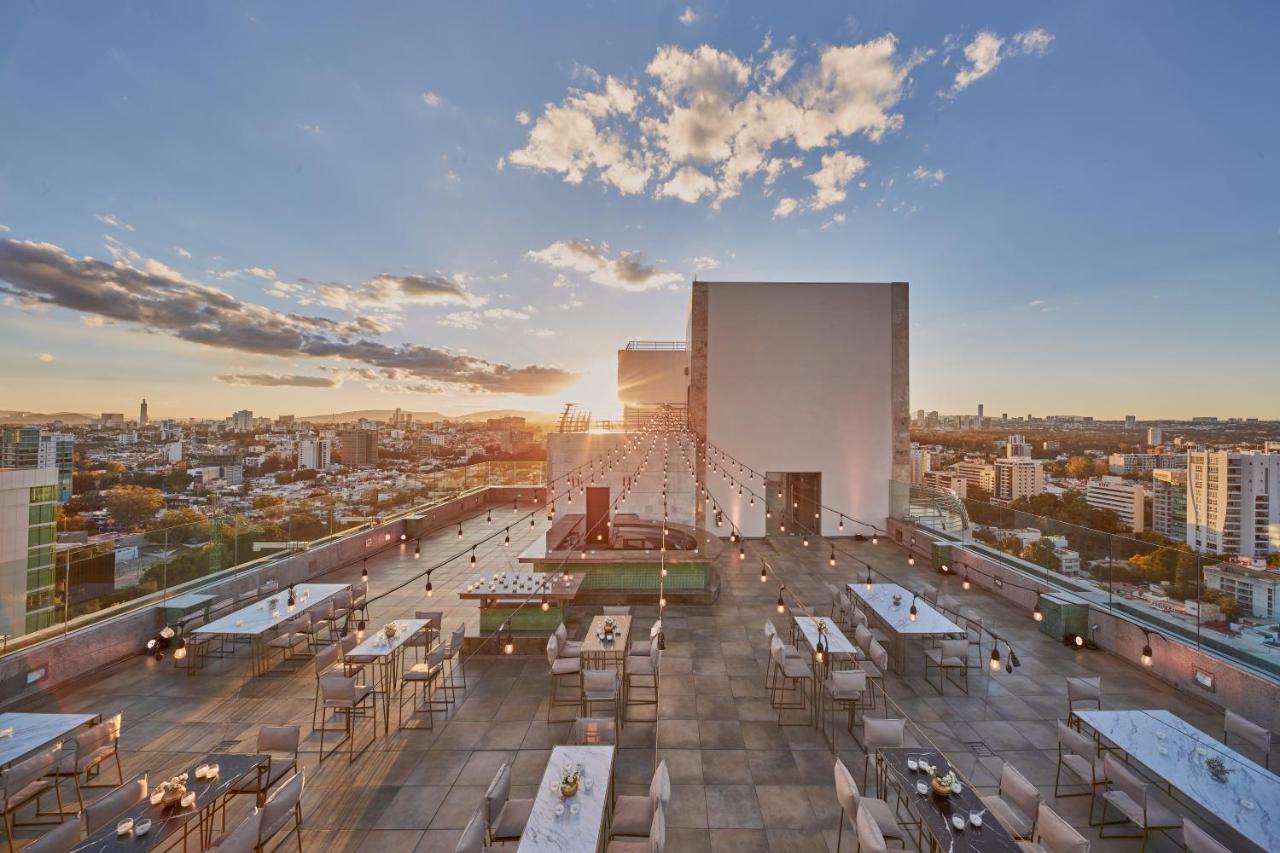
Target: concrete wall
[567,450]
[800,377]
[652,377]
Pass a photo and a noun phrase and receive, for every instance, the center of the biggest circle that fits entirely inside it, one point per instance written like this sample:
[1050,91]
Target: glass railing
[1206,600]
[58,587]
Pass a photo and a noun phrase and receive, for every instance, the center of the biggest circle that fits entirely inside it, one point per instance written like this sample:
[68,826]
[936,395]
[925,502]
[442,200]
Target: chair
[1250,732]
[633,814]
[1134,799]
[196,646]
[568,648]
[793,671]
[930,594]
[1016,803]
[109,806]
[602,685]
[770,633]
[424,677]
[280,744]
[243,837]
[472,839]
[340,609]
[93,747]
[63,838]
[430,634]
[505,817]
[594,731]
[655,843]
[560,668]
[325,661]
[454,662]
[644,666]
[870,838]
[1054,835]
[292,633]
[1195,839]
[949,656]
[875,668]
[837,603]
[852,803]
[24,782]
[352,664]
[1079,755]
[284,804]
[641,647]
[312,623]
[619,610]
[1083,690]
[879,733]
[343,695]
[845,688]
[360,602]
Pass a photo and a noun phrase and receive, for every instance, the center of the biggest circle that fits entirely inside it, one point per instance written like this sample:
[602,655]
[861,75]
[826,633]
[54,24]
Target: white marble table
[896,618]
[384,652]
[584,832]
[1176,751]
[33,732]
[838,645]
[256,619]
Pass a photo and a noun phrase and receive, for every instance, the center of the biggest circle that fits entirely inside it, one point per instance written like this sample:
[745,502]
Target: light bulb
[1037,614]
[995,659]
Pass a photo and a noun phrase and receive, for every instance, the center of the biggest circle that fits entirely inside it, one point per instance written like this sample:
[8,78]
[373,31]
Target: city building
[35,447]
[1155,437]
[1169,502]
[1232,502]
[1250,582]
[358,446]
[315,453]
[142,413]
[242,421]
[949,480]
[1017,448]
[1017,477]
[1123,497]
[921,463]
[110,419]
[1130,421]
[979,475]
[28,510]
[1141,463]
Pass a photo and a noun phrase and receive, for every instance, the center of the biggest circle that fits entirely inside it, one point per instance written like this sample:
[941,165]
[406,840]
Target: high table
[255,620]
[34,732]
[584,832]
[1243,795]
[896,618]
[935,812]
[838,648]
[385,654]
[514,598]
[167,821]
[597,652]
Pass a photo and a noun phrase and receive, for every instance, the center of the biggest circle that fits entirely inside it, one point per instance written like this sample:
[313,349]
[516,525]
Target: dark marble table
[936,812]
[33,732]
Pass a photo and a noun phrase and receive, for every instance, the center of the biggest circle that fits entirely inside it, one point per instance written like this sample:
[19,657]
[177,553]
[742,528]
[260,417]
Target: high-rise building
[1155,437]
[142,413]
[1017,448]
[315,453]
[1140,463]
[1123,497]
[242,421]
[1017,477]
[977,475]
[921,463]
[110,419]
[35,447]
[358,446]
[1233,502]
[1130,421]
[980,418]
[28,510]
[1169,502]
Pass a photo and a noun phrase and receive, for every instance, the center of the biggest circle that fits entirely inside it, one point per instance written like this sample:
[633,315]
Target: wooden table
[597,652]
[256,620]
[385,654]
[167,821]
[896,618]
[584,832]
[935,812]
[34,732]
[1248,798]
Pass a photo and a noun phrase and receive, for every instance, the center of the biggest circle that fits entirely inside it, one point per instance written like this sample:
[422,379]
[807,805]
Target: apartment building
[1140,463]
[1123,497]
[34,447]
[1232,502]
[315,453]
[358,446]
[921,463]
[1017,477]
[1169,503]
[28,507]
[1253,585]
[976,474]
[948,480]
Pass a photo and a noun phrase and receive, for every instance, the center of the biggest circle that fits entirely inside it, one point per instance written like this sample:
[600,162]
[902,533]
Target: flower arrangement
[273,605]
[391,630]
[823,627]
[942,784]
[569,782]
[172,790]
[1217,769]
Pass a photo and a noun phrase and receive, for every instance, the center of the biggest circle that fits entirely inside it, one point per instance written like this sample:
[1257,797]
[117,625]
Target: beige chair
[642,671]
[1250,732]
[641,646]
[291,635]
[602,686]
[949,656]
[325,661]
[847,689]
[1079,754]
[1054,835]
[870,838]
[472,839]
[852,803]
[1083,692]
[790,675]
[875,668]
[283,809]
[423,678]
[771,633]
[633,814]
[506,818]
[430,633]
[93,747]
[243,837]
[1016,803]
[568,648]
[562,669]
[1136,801]
[655,843]
[879,733]
[1196,840]
[344,695]
[621,610]
[108,807]
[280,745]
[63,838]
[26,782]
[454,664]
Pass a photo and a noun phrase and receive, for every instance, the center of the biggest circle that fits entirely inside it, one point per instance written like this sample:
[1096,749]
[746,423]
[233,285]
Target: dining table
[890,605]
[258,621]
[839,652]
[23,734]
[599,652]
[957,822]
[1232,788]
[386,655]
[574,823]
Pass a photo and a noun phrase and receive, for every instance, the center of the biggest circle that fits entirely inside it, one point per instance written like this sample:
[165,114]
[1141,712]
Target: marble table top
[929,622]
[377,645]
[257,618]
[936,812]
[517,585]
[548,832]
[592,644]
[33,732]
[837,642]
[1176,751]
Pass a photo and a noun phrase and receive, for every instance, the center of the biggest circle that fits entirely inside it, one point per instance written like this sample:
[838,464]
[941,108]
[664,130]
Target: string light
[488,519]
[965,583]
[428,585]
[832,558]
[995,656]
[868,578]
[840,526]
[473,556]
[506,539]
[1036,613]
[417,550]
[782,607]
[913,612]
[364,571]
[459,529]
[763,575]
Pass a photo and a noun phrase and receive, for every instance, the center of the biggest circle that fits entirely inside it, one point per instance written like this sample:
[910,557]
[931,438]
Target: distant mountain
[21,418]
[385,415]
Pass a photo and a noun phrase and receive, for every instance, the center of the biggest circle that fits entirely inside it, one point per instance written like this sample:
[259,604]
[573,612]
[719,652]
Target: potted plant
[569,782]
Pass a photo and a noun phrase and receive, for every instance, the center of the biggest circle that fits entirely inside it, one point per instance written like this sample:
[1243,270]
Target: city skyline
[451,210]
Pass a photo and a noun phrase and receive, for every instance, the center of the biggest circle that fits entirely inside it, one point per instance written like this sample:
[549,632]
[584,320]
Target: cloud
[385,294]
[984,54]
[688,16]
[523,118]
[272,380]
[785,207]
[92,321]
[431,99]
[182,252]
[311,128]
[710,120]
[836,219]
[541,333]
[114,221]
[704,263]
[4,228]
[476,319]
[168,303]
[838,169]
[934,177]
[627,271]
[46,358]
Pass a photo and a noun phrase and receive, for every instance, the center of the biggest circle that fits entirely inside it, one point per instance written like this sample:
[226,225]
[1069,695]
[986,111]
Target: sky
[310,207]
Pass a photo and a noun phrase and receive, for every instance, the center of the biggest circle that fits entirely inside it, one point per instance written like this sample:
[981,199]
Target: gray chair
[472,839]
[280,745]
[1083,693]
[63,838]
[424,678]
[870,838]
[506,818]
[1081,758]
[879,733]
[847,689]
[655,843]
[643,671]
[633,814]
[243,837]
[949,656]
[1054,835]
[104,810]
[852,803]
[618,610]
[602,685]
[568,648]
[25,782]
[94,746]
[1250,732]
[790,674]
[1196,840]
[283,811]
[1136,801]
[343,695]
[561,669]
[1016,803]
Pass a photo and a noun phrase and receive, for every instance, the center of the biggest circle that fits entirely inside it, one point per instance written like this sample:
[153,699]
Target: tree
[1041,553]
[1084,467]
[267,501]
[133,506]
[178,525]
